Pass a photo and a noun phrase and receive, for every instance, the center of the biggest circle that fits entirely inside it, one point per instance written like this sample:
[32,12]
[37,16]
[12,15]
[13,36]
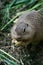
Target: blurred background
[10,10]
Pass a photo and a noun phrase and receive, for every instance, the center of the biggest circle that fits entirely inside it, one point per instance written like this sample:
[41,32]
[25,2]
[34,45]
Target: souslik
[28,29]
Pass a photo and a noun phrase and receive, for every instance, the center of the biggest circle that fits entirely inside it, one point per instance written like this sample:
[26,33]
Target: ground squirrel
[28,29]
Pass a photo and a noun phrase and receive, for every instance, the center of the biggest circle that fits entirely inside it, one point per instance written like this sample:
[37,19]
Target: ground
[24,55]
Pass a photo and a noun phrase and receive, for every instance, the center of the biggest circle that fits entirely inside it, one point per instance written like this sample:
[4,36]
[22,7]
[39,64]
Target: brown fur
[28,28]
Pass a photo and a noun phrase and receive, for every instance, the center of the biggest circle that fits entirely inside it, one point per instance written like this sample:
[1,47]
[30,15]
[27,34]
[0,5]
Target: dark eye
[27,24]
[24,30]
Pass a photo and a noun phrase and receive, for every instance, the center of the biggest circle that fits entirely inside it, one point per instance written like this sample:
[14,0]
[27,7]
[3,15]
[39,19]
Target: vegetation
[10,10]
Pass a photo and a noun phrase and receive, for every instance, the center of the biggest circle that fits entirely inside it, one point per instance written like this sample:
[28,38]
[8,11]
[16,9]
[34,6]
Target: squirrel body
[28,29]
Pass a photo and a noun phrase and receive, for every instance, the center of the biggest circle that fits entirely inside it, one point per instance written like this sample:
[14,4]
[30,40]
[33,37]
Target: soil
[24,55]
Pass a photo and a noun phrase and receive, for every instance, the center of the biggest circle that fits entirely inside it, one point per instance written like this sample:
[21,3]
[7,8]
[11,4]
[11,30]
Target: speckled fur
[28,28]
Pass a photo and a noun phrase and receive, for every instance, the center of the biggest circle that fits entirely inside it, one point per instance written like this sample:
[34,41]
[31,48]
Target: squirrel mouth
[19,39]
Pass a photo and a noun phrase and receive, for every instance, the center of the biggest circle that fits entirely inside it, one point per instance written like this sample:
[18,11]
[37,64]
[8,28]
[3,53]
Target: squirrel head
[22,32]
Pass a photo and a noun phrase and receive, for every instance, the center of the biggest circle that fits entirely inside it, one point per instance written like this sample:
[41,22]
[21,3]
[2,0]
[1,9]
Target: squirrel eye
[24,30]
[27,24]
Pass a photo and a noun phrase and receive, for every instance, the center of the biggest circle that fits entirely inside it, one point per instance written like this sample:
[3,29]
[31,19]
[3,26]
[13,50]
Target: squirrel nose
[18,39]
